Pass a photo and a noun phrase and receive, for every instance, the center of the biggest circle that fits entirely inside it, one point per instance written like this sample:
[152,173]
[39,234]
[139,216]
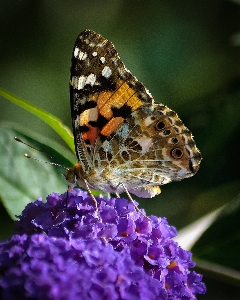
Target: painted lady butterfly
[124,141]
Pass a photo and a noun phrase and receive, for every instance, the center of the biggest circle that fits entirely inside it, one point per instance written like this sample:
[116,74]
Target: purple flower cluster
[40,267]
[75,252]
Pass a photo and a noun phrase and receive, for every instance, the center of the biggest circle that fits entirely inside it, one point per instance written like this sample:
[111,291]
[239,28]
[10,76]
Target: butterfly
[124,141]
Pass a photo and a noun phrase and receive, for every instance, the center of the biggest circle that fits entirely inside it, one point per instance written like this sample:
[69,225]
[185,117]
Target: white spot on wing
[78,82]
[91,79]
[148,121]
[76,52]
[106,72]
[145,143]
[102,59]
[82,55]
[81,82]
[94,54]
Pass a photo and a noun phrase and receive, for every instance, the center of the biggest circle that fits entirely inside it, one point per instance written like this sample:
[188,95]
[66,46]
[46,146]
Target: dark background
[187,53]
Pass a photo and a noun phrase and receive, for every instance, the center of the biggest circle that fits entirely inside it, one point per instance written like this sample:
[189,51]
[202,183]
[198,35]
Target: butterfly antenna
[22,142]
[44,161]
[40,160]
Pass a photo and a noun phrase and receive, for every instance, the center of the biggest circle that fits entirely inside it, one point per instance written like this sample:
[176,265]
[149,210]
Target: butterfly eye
[176,153]
[159,125]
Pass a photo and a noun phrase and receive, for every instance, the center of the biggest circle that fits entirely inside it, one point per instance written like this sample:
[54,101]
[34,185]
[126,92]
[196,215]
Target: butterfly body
[122,138]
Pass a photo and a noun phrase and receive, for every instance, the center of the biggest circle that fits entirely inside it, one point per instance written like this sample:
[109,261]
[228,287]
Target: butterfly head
[73,176]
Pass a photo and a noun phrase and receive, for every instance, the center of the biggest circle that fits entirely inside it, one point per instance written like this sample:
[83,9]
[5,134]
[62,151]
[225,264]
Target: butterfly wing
[121,135]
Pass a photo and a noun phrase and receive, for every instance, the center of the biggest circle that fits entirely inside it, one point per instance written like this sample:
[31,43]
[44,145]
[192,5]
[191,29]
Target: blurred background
[187,53]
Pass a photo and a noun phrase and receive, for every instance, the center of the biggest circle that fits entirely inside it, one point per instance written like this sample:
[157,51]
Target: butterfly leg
[91,195]
[65,199]
[117,195]
[131,199]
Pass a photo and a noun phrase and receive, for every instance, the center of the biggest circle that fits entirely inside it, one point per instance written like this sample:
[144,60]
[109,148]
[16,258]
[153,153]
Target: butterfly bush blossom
[65,249]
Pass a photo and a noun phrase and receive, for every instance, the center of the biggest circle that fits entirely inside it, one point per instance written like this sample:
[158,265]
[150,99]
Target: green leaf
[43,144]
[6,223]
[24,180]
[218,272]
[48,118]
[190,234]
[220,243]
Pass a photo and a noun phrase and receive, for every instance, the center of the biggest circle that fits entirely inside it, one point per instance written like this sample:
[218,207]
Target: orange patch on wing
[111,126]
[134,102]
[84,118]
[91,134]
[93,97]
[123,95]
[103,98]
